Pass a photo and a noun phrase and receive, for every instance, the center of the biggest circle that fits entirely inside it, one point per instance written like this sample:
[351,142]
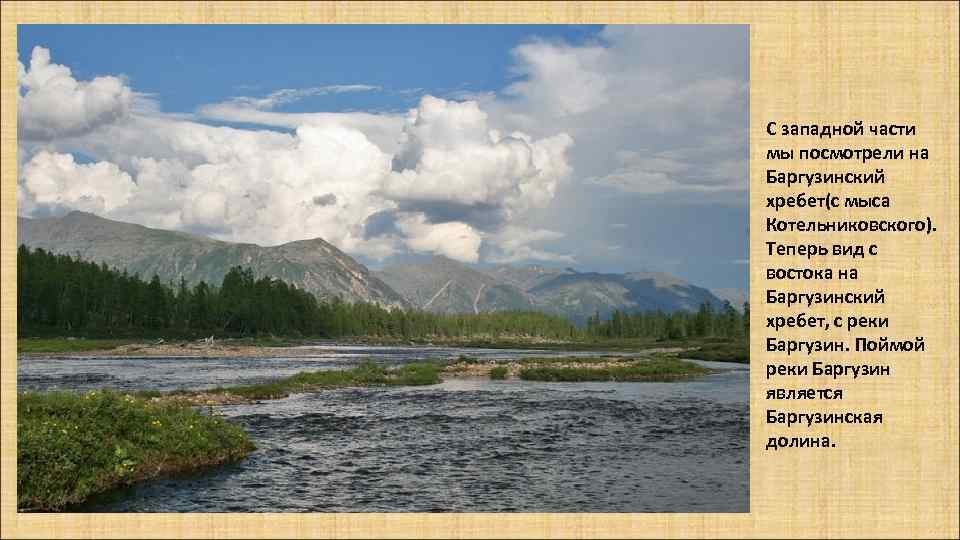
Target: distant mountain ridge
[312,265]
[443,285]
[438,284]
[446,286]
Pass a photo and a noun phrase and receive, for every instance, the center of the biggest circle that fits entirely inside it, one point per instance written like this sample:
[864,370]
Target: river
[465,445]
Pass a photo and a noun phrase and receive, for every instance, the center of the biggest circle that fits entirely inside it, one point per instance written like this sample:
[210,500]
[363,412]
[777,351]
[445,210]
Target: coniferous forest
[64,294]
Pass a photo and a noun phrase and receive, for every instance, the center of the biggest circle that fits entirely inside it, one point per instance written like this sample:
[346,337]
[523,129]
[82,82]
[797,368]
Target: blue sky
[601,148]
[189,65]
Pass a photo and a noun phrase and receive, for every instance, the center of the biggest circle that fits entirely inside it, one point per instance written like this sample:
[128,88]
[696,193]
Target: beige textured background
[808,62]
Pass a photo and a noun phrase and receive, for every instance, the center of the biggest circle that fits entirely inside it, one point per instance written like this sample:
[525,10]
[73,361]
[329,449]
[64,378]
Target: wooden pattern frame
[809,62]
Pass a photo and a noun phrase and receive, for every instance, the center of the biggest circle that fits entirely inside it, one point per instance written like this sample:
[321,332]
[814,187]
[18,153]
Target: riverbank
[253,347]
[71,446]
[712,350]
[161,348]
[28,346]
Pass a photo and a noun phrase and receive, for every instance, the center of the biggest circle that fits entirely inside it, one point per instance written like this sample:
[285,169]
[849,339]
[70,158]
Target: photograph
[368,268]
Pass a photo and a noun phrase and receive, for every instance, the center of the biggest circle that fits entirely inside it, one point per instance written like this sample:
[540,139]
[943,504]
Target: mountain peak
[313,265]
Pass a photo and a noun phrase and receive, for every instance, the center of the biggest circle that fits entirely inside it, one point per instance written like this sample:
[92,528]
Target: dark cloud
[327,199]
[481,216]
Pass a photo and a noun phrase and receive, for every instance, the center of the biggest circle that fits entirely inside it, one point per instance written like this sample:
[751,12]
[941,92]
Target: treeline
[725,322]
[65,294]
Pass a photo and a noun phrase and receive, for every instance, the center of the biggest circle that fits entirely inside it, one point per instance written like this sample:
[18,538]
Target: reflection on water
[464,445]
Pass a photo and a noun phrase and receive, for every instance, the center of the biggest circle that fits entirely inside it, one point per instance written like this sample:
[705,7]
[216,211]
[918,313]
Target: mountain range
[312,265]
[436,284]
[447,286]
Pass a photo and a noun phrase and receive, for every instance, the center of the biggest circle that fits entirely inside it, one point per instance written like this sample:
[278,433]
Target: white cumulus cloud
[53,104]
[55,181]
[452,239]
[452,162]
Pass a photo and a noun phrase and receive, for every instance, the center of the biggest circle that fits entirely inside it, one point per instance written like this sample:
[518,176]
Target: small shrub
[416,374]
[730,351]
[498,373]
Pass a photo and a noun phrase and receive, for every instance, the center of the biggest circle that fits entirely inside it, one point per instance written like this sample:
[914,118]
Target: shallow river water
[466,445]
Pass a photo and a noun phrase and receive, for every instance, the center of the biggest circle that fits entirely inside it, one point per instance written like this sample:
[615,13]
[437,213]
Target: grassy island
[71,446]
[643,370]
[366,374]
[654,368]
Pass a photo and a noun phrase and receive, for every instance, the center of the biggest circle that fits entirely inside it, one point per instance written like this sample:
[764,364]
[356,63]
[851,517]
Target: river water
[465,445]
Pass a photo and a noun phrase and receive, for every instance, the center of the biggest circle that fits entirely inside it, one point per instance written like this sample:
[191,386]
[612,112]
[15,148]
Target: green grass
[654,369]
[498,373]
[63,345]
[71,446]
[367,374]
[726,351]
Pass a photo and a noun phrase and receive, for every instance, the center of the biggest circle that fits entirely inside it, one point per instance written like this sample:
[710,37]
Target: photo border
[829,62]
